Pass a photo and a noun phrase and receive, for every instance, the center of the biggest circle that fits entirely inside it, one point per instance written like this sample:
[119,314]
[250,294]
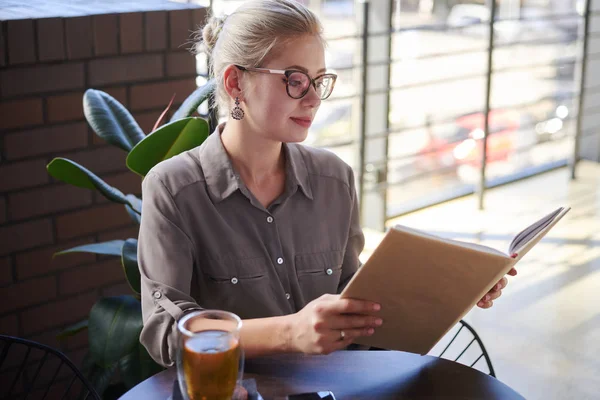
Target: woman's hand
[488,300]
[331,323]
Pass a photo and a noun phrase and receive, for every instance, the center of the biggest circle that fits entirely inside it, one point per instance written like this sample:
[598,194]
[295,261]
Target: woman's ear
[232,79]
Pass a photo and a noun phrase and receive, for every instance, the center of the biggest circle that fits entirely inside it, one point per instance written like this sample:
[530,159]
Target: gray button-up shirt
[206,242]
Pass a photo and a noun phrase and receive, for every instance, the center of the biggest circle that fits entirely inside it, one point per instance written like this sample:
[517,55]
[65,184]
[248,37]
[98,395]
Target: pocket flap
[315,262]
[225,269]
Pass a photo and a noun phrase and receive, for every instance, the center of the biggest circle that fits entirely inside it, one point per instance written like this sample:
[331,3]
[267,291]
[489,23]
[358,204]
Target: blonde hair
[251,33]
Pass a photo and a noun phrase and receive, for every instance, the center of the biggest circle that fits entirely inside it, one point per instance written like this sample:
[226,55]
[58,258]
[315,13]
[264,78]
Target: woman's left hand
[488,300]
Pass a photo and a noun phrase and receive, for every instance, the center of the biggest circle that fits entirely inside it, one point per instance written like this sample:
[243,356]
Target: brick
[157,95]
[126,182]
[2,45]
[50,35]
[181,63]
[65,107]
[120,234]
[40,79]
[199,17]
[47,200]
[147,119]
[2,210]
[79,37]
[156,30]
[119,93]
[92,220]
[106,34]
[117,290]
[100,160]
[5,271]
[25,235]
[23,174]
[84,278]
[45,140]
[21,113]
[57,313]
[41,261]
[21,42]
[131,29]
[28,293]
[125,69]
[180,26]
[10,325]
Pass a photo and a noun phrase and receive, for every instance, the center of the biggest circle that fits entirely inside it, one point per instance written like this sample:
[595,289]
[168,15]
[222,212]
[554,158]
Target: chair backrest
[462,344]
[31,370]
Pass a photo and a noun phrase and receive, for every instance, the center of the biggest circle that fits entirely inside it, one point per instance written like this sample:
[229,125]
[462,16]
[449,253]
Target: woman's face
[270,112]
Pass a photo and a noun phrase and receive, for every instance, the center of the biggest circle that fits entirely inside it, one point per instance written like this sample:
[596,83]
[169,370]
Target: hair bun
[210,34]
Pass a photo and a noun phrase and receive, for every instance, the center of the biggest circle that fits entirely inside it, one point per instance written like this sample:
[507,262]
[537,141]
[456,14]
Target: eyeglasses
[298,82]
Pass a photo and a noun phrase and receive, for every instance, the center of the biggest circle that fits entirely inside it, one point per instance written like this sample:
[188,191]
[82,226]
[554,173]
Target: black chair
[29,370]
[468,345]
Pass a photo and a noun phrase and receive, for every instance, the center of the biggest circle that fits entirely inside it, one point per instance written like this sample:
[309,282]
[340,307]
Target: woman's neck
[255,158]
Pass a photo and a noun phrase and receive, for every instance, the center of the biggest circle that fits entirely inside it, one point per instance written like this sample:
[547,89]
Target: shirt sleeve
[356,240]
[166,261]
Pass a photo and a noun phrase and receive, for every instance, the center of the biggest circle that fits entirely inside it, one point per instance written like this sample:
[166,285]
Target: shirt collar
[222,180]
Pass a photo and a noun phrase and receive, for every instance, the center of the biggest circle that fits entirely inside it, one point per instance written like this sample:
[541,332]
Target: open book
[426,284]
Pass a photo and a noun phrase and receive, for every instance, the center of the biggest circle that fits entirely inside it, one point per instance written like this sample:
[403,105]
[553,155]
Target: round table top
[353,375]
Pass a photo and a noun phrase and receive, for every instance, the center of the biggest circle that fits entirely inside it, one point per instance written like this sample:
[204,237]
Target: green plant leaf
[166,142]
[194,100]
[110,120]
[130,264]
[137,366]
[137,202]
[111,248]
[73,329]
[98,376]
[114,328]
[72,173]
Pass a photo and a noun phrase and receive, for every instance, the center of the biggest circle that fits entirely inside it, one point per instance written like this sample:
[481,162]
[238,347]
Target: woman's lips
[303,122]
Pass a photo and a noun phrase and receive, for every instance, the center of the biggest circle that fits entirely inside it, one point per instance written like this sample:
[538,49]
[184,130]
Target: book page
[529,233]
[469,245]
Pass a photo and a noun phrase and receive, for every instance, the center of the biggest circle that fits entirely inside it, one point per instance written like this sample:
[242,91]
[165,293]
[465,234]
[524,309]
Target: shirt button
[234,280]
[157,295]
[287,296]
[280,261]
[270,219]
[329,271]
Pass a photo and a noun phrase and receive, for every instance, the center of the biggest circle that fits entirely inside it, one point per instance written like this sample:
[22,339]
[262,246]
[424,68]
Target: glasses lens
[325,86]
[298,83]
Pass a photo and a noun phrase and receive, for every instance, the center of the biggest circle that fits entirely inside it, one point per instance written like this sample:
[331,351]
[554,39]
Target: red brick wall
[46,65]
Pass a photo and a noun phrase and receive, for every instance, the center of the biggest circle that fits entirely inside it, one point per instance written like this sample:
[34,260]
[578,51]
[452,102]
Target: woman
[251,222]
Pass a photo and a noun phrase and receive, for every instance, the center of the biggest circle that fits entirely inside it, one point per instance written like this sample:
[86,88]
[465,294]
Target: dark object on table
[31,370]
[248,384]
[323,395]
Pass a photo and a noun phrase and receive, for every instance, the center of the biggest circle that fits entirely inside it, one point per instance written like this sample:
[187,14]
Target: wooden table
[354,375]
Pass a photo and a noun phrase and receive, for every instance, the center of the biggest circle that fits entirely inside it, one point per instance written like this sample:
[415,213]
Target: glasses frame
[287,73]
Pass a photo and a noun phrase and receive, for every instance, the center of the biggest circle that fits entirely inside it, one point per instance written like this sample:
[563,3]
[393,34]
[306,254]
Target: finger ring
[342,335]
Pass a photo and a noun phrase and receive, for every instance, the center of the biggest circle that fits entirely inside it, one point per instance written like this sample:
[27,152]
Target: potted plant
[116,360]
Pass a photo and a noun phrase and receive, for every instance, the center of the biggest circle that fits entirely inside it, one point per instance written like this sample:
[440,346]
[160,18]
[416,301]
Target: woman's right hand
[330,323]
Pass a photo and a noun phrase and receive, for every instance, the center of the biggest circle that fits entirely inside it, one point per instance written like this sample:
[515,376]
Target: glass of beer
[210,360]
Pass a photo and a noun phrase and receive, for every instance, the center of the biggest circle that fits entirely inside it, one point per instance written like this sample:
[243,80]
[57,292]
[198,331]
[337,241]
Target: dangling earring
[237,113]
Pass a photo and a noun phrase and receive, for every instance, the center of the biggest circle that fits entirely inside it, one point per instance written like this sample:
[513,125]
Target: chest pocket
[233,284]
[318,273]
[228,268]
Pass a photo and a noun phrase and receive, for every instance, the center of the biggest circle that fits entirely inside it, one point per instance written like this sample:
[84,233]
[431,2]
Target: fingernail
[378,321]
[487,297]
[371,331]
[498,287]
[377,307]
